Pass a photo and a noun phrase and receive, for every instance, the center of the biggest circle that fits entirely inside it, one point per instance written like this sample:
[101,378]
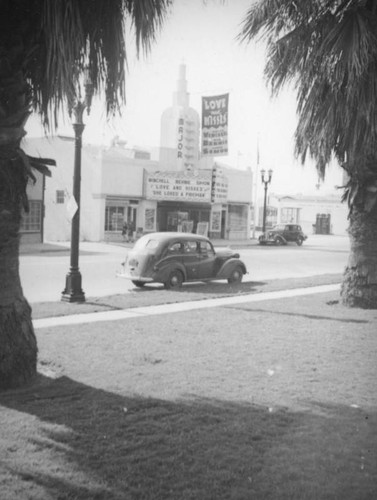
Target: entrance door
[323,224]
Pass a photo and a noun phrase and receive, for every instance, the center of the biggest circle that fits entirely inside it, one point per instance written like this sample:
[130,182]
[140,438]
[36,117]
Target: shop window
[114,218]
[237,217]
[288,215]
[271,216]
[32,221]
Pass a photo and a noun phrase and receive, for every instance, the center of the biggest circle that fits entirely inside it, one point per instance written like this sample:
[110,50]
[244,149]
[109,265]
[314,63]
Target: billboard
[215,125]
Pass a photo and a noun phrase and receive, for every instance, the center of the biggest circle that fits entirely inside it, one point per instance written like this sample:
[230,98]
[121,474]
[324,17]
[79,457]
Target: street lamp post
[73,291]
[266,181]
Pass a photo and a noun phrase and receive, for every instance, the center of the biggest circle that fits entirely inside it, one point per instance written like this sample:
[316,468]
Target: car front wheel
[236,275]
[174,280]
[299,241]
[279,241]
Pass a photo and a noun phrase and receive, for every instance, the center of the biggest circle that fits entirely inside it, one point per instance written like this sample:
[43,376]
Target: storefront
[185,217]
[119,209]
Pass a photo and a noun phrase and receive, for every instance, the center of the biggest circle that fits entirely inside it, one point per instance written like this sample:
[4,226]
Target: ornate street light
[73,291]
[266,181]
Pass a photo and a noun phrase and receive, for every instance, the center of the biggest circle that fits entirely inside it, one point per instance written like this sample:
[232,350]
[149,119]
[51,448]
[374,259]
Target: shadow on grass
[205,288]
[66,440]
[296,314]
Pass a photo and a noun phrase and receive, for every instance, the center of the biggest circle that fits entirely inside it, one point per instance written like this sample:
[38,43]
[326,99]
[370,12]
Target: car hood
[226,253]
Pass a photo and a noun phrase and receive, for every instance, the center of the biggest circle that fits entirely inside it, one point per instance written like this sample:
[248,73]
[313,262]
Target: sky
[202,35]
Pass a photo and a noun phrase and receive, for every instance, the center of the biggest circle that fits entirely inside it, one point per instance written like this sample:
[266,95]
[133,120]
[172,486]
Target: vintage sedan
[282,234]
[174,258]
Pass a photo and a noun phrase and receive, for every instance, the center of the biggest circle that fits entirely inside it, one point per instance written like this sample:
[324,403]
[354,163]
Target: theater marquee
[176,186]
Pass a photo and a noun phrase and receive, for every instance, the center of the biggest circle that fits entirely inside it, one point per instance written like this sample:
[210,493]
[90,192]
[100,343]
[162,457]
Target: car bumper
[134,277]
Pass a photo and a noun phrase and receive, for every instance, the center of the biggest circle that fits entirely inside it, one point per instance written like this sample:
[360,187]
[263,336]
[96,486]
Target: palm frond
[147,18]
[328,49]
[63,40]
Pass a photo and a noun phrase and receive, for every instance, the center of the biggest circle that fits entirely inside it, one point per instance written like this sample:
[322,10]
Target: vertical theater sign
[215,125]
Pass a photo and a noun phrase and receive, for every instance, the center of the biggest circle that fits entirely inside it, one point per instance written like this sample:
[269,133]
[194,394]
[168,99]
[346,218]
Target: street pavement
[43,267]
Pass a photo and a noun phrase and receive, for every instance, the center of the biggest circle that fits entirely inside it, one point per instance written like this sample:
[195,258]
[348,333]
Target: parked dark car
[174,258]
[281,234]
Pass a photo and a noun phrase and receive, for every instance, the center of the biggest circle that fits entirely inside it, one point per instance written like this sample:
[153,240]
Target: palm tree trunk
[18,346]
[359,286]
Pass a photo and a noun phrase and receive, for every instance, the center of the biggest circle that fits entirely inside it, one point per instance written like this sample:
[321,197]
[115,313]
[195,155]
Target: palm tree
[45,49]
[328,50]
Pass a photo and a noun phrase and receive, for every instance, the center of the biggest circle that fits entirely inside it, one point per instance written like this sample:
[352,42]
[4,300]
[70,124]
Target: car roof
[168,235]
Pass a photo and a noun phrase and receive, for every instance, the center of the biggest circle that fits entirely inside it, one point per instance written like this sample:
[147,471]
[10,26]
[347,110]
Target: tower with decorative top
[180,131]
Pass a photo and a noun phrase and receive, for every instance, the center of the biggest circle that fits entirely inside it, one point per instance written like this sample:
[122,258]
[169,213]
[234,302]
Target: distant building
[321,214]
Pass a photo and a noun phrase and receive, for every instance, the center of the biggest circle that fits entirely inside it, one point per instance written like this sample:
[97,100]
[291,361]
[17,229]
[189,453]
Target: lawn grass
[65,440]
[267,400]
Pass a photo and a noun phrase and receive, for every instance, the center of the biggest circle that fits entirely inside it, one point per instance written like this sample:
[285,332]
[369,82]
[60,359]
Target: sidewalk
[153,310]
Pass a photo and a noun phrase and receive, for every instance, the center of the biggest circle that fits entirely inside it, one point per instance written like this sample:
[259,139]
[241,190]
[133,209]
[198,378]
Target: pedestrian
[131,229]
[125,231]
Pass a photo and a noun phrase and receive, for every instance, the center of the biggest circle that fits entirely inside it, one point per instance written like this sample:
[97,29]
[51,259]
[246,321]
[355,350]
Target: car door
[289,232]
[172,253]
[207,257]
[191,258]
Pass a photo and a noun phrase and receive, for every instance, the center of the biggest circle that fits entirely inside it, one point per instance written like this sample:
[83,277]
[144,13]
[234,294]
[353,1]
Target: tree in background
[46,47]
[328,50]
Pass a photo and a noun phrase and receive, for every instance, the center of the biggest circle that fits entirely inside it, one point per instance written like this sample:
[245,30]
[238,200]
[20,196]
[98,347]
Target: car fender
[281,237]
[162,274]
[228,266]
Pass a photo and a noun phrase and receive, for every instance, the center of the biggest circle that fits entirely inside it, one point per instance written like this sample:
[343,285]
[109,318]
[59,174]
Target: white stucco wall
[240,185]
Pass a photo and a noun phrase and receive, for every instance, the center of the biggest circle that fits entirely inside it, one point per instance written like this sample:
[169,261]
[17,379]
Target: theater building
[168,189]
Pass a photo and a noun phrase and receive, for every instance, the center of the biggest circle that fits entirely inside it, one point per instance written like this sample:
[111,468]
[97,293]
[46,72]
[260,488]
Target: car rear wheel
[175,280]
[299,241]
[236,275]
[140,284]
